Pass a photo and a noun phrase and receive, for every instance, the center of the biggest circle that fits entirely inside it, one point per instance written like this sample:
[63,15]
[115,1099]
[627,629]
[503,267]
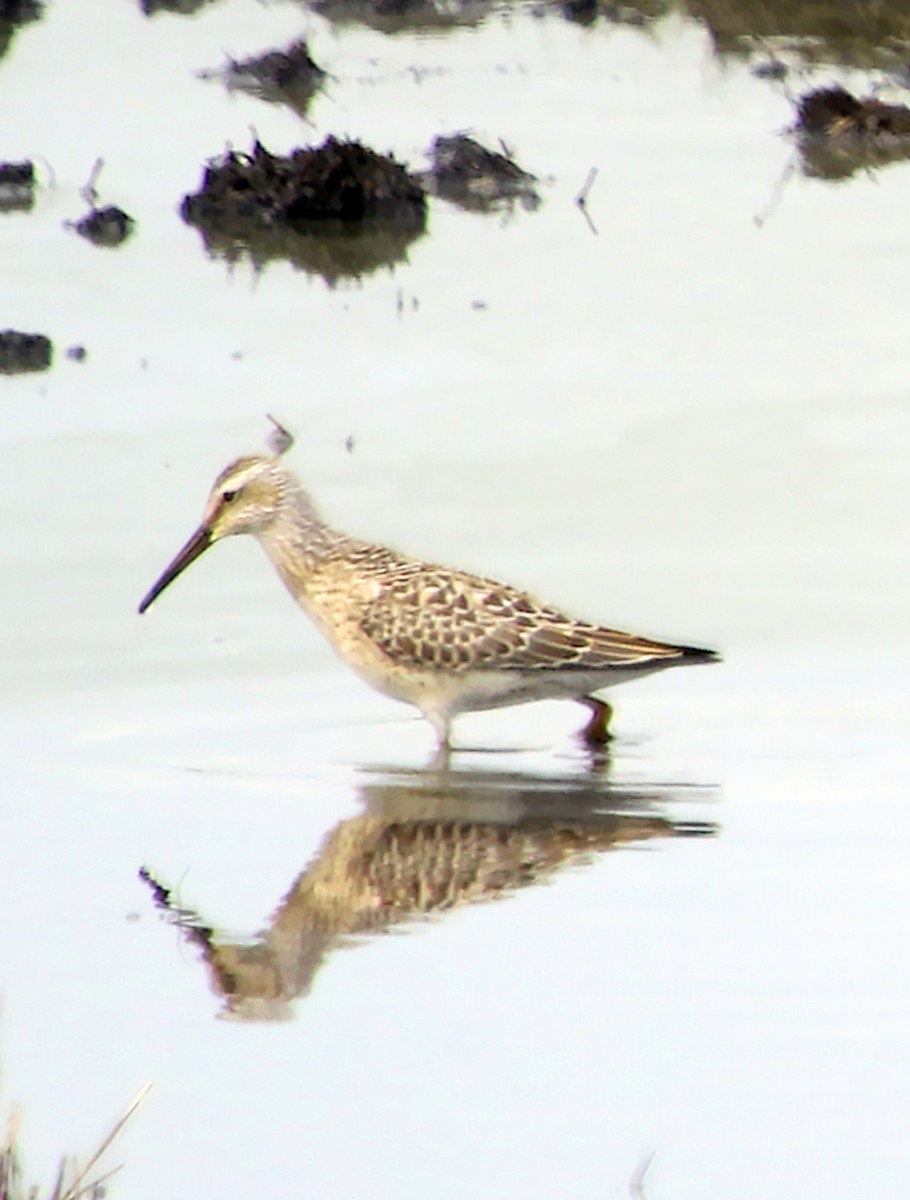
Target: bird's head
[247,497]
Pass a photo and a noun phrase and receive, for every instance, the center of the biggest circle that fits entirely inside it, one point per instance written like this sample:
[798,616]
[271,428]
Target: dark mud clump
[282,76]
[24,352]
[336,181]
[17,186]
[467,174]
[838,133]
[106,226]
[335,210]
[14,13]
[581,12]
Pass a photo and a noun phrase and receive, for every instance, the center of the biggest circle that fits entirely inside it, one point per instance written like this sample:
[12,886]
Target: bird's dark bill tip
[200,541]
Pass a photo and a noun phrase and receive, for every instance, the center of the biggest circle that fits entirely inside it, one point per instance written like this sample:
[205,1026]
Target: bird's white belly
[476,691]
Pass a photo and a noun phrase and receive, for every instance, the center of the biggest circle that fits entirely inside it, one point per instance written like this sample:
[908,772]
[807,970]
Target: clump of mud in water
[839,134]
[335,210]
[14,13]
[17,186]
[105,226]
[473,177]
[282,76]
[24,352]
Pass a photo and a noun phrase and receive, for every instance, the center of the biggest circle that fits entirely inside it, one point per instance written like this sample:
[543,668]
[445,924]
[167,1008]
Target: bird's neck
[298,540]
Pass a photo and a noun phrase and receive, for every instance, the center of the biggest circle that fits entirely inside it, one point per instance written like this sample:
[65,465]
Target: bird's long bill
[199,542]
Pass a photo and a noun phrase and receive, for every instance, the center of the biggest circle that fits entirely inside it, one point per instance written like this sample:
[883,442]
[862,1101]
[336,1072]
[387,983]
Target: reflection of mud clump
[336,210]
[839,134]
[586,12]
[106,226]
[186,8]
[23,352]
[17,186]
[405,16]
[281,76]
[853,31]
[467,174]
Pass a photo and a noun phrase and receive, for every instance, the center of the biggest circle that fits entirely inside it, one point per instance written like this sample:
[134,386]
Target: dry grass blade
[78,1187]
[10,1167]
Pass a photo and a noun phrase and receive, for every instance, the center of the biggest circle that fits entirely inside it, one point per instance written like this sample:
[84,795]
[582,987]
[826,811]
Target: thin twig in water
[95,1184]
[637,1182]
[89,193]
[777,192]
[582,198]
[76,1188]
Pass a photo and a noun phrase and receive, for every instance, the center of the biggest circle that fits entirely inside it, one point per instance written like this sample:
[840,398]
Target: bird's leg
[442,727]
[597,732]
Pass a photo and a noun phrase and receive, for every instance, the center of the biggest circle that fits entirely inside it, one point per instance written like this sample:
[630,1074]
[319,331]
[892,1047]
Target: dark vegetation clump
[24,352]
[468,174]
[838,133]
[281,76]
[342,181]
[17,186]
[106,226]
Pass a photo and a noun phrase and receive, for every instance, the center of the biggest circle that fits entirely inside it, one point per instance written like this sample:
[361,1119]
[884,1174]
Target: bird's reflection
[427,842]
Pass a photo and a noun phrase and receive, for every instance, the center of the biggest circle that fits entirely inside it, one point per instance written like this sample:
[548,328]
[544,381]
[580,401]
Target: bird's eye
[229,496]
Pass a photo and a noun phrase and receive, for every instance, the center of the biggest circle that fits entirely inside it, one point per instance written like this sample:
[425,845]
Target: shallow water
[682,423]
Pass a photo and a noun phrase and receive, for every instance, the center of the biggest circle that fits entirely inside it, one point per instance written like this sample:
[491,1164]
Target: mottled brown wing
[428,616]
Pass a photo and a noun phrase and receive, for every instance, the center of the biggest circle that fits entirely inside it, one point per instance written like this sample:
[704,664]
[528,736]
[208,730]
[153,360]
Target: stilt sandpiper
[436,637]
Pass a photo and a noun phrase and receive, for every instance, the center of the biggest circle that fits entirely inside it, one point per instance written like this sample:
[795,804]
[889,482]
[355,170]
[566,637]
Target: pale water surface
[683,423]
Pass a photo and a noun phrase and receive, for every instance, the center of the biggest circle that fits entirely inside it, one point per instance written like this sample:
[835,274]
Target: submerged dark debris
[17,186]
[471,176]
[337,210]
[839,133]
[109,226]
[21,353]
[288,76]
